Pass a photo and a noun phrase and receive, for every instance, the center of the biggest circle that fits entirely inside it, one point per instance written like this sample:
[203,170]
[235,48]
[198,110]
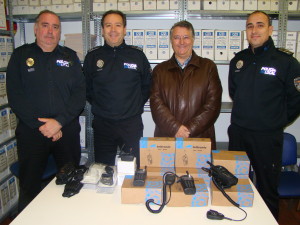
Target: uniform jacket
[189,97]
[118,81]
[45,84]
[265,88]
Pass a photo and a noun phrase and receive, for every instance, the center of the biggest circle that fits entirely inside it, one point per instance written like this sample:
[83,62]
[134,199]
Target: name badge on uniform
[62,63]
[130,66]
[268,71]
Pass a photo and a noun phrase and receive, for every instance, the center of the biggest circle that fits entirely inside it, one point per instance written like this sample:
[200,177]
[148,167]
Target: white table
[91,208]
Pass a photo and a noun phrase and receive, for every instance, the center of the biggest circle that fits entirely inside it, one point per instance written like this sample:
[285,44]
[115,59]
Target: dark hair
[183,23]
[258,11]
[114,12]
[44,12]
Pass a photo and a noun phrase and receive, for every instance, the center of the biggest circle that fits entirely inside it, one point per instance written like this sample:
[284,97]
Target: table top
[91,208]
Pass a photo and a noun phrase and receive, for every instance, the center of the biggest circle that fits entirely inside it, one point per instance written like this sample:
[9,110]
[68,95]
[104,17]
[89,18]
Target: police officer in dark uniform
[46,90]
[266,98]
[118,78]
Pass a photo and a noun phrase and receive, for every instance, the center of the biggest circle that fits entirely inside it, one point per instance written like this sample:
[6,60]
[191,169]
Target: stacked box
[192,152]
[236,162]
[157,152]
[13,190]
[4,171]
[241,193]
[159,171]
[152,190]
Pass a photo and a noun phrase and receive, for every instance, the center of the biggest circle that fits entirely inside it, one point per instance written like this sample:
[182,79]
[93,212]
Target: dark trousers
[264,150]
[109,135]
[33,152]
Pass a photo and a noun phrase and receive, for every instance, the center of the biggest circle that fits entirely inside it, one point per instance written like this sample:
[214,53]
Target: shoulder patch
[286,51]
[95,48]
[135,47]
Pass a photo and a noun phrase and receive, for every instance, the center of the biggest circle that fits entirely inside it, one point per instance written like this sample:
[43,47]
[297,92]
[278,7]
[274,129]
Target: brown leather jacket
[189,97]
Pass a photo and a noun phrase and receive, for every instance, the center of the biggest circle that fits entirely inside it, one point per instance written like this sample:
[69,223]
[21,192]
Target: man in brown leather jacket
[186,90]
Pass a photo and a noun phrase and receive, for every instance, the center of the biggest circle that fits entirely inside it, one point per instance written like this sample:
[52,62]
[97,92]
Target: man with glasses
[186,90]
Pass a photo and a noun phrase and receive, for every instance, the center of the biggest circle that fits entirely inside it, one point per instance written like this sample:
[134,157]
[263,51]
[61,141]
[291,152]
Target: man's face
[258,29]
[47,31]
[113,30]
[182,42]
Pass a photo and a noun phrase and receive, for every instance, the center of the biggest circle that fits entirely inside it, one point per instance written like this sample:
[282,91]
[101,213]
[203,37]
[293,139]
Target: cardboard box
[236,5]
[78,7]
[275,37]
[174,4]
[210,4]
[292,5]
[34,2]
[157,152]
[237,162]
[197,42]
[291,41]
[99,6]
[192,152]
[153,189]
[124,5]
[136,5]
[151,44]
[163,44]
[128,37]
[223,4]
[163,5]
[208,39]
[298,47]
[234,43]
[194,4]
[274,5]
[221,45]
[263,5]
[57,2]
[241,193]
[195,173]
[138,38]
[45,2]
[250,5]
[149,4]
[159,171]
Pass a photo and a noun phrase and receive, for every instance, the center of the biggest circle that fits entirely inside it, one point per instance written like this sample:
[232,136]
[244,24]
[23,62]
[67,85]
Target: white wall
[224,118]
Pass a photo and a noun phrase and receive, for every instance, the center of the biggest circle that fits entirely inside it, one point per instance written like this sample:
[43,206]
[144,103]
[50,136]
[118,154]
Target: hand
[57,136]
[182,132]
[50,127]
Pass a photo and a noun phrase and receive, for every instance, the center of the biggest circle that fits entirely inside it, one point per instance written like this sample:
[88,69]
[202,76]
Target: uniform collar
[116,47]
[265,47]
[54,50]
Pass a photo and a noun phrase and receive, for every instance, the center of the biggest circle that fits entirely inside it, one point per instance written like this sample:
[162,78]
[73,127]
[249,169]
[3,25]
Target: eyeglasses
[184,38]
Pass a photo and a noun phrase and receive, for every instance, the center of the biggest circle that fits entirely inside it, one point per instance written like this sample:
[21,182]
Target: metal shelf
[145,15]
[224,14]
[294,15]
[65,17]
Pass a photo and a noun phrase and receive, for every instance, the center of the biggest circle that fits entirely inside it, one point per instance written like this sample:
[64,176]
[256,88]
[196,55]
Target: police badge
[29,62]
[239,64]
[100,63]
[297,83]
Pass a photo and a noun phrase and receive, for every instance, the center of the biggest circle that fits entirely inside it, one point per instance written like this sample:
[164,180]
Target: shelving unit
[12,206]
